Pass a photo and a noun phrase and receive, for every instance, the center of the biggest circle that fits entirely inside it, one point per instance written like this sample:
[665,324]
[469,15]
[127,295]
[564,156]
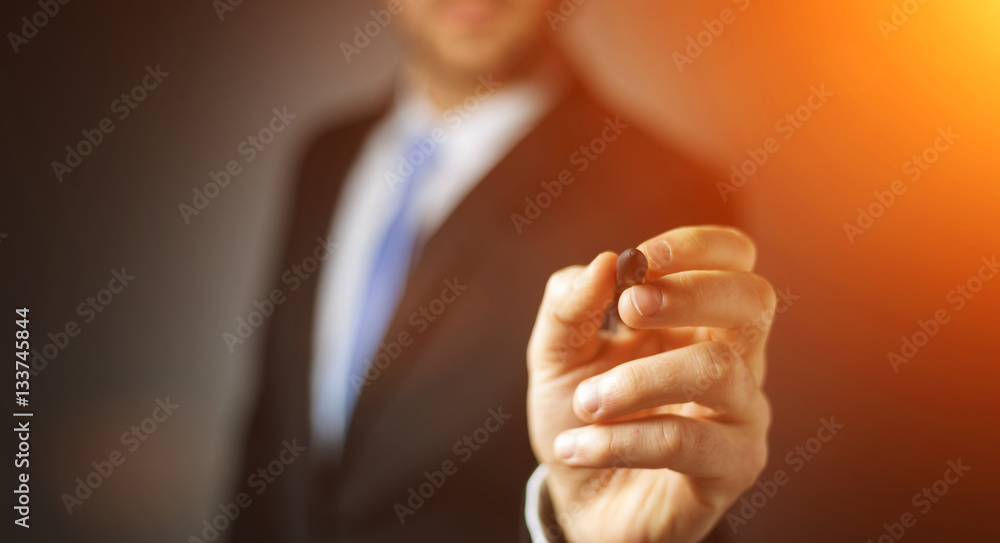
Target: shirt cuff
[538,512]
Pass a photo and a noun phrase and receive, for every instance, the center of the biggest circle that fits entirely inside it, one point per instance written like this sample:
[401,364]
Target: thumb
[569,319]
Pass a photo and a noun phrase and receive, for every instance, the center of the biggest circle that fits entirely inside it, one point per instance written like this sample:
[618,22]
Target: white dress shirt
[474,137]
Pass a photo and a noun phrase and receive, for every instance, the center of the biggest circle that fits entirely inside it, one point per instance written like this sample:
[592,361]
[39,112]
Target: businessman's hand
[651,434]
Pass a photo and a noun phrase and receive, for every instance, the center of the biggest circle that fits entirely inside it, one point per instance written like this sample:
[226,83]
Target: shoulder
[622,154]
[341,138]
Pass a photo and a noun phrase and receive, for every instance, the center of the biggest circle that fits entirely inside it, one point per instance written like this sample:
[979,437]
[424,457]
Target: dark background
[162,336]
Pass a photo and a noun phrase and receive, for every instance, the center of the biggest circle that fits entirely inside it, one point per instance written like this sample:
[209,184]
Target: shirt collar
[414,115]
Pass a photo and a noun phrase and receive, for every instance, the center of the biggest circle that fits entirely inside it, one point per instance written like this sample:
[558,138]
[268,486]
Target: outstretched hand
[651,433]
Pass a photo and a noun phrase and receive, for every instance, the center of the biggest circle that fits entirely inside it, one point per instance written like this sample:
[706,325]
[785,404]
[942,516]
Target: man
[401,370]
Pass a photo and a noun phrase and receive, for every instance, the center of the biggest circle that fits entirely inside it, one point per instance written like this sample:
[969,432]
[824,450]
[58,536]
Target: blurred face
[474,37]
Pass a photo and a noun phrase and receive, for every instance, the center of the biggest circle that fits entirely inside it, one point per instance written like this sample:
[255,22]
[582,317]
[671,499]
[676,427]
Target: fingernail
[565,446]
[647,299]
[588,396]
[659,253]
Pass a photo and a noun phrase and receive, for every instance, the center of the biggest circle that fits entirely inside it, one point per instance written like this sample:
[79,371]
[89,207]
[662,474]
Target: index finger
[699,248]
[569,319]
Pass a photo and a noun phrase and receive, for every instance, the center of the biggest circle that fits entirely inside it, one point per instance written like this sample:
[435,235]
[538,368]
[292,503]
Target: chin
[475,58]
[480,55]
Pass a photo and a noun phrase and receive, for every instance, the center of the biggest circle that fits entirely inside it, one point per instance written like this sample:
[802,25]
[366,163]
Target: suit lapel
[458,249]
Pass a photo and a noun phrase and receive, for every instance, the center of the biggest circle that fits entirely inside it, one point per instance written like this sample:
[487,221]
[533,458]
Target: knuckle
[766,411]
[755,460]
[692,289]
[561,278]
[755,453]
[616,439]
[766,296]
[626,383]
[743,238]
[716,362]
[672,438]
[723,371]
[689,240]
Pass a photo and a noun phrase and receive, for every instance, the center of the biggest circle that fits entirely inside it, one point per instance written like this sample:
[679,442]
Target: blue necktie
[389,270]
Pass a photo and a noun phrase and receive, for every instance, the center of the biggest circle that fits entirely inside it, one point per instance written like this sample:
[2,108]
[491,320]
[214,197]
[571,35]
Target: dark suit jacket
[415,416]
